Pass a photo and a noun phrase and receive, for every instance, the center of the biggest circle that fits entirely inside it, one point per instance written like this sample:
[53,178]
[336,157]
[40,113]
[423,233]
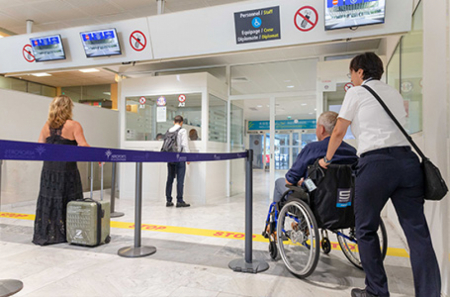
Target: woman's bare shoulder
[72,124]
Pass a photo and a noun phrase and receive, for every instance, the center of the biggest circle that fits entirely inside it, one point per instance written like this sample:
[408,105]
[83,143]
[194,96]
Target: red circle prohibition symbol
[182,98]
[304,18]
[136,42]
[348,86]
[29,57]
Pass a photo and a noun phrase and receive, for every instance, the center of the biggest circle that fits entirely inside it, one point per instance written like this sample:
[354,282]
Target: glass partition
[217,119]
[404,72]
[26,86]
[411,73]
[237,127]
[148,121]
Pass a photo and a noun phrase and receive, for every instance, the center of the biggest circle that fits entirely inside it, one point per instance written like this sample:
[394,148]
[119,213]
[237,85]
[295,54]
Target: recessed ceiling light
[304,104]
[259,106]
[89,70]
[311,113]
[41,74]
[315,109]
[289,87]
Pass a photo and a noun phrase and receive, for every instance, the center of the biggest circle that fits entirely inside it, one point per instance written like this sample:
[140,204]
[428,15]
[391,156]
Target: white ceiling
[58,14]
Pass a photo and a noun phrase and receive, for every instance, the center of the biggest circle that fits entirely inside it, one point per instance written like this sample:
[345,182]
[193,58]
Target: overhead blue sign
[282,125]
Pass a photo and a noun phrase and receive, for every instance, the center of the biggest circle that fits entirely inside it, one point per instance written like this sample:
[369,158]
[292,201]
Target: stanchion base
[239,265]
[10,287]
[116,214]
[135,252]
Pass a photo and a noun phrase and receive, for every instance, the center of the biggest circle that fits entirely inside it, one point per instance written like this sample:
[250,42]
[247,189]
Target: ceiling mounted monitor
[341,14]
[48,48]
[101,43]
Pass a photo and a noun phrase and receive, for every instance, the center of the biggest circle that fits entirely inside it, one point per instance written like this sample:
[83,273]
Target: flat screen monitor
[48,48]
[341,14]
[101,43]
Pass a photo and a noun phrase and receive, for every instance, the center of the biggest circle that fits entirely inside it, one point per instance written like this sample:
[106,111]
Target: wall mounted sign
[348,86]
[306,18]
[138,41]
[257,25]
[27,54]
[161,114]
[161,101]
[282,125]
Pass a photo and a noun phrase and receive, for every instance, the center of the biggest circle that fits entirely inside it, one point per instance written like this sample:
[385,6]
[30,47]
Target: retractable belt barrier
[29,151]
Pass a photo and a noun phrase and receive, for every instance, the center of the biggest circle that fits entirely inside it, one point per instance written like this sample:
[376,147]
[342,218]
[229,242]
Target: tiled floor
[184,265]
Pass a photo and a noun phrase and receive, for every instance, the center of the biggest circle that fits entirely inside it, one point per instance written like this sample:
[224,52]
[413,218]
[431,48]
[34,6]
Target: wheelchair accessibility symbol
[256,22]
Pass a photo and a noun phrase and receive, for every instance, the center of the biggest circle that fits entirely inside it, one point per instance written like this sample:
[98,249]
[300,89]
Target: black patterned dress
[60,183]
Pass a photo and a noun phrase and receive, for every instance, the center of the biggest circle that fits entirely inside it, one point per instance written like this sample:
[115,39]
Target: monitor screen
[353,13]
[47,48]
[101,43]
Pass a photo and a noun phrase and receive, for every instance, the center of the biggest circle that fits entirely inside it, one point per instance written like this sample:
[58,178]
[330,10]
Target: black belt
[388,150]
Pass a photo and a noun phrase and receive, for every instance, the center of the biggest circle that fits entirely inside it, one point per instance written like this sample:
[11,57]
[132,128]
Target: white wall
[22,117]
[436,121]
[204,180]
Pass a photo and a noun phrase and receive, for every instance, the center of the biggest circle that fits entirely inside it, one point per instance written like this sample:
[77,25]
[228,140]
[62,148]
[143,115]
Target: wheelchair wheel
[273,251]
[348,243]
[298,238]
[326,245]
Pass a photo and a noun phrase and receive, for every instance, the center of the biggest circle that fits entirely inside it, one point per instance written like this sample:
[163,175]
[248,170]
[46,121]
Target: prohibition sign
[26,51]
[138,41]
[142,100]
[182,98]
[348,86]
[306,18]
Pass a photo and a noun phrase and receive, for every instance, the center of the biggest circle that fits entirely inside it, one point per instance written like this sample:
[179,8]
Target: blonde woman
[60,181]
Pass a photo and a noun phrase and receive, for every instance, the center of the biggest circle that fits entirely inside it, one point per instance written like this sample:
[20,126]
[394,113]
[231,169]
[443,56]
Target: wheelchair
[293,233]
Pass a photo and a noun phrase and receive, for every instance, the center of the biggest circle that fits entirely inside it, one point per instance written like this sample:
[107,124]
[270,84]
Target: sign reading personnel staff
[257,25]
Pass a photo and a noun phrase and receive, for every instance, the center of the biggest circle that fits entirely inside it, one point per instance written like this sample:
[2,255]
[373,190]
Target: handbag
[435,187]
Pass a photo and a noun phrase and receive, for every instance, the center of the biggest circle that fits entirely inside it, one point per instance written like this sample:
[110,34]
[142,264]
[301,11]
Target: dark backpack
[170,143]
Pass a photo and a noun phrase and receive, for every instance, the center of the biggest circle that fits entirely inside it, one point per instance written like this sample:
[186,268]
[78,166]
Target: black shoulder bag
[435,187]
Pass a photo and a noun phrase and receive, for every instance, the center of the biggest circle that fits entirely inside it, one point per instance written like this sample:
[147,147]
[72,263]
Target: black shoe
[182,204]
[361,293]
[169,203]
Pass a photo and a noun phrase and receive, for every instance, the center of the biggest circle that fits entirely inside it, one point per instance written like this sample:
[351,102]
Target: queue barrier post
[137,250]
[248,264]
[114,214]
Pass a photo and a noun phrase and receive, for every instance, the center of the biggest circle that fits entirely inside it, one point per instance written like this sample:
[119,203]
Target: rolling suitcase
[88,221]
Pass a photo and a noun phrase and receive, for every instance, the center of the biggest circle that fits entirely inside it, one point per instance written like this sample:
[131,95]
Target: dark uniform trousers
[177,170]
[394,173]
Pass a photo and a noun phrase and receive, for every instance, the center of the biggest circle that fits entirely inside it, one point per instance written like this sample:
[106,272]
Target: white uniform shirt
[181,139]
[371,125]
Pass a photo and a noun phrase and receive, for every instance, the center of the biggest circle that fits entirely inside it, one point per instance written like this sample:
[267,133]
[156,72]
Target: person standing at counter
[387,168]
[60,181]
[176,169]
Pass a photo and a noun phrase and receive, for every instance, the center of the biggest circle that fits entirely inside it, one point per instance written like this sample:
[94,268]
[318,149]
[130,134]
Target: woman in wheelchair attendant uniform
[387,168]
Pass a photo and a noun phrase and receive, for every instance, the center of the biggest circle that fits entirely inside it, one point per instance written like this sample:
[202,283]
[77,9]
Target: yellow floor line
[396,252]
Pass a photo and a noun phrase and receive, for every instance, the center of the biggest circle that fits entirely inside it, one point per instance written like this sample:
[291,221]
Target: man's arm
[298,169]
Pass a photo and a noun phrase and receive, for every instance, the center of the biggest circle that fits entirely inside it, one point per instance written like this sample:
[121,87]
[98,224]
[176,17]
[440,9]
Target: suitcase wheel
[108,239]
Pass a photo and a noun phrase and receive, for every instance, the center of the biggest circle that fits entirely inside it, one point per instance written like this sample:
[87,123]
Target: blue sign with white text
[282,125]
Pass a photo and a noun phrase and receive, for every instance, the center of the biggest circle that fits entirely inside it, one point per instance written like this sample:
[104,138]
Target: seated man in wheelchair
[345,154]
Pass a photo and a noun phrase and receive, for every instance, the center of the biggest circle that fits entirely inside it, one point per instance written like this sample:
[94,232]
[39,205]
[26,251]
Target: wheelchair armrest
[295,188]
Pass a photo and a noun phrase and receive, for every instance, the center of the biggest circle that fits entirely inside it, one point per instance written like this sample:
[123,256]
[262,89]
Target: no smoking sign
[142,100]
[306,18]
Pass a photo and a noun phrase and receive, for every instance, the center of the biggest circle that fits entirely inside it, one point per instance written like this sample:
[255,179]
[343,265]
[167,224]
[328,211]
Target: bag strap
[414,145]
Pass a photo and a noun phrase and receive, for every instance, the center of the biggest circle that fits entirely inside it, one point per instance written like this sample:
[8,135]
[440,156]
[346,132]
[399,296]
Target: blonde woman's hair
[60,111]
